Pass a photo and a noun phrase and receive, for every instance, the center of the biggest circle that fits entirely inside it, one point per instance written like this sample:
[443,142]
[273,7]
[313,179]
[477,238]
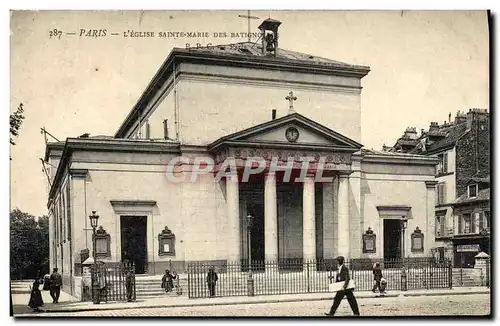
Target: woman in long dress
[36,300]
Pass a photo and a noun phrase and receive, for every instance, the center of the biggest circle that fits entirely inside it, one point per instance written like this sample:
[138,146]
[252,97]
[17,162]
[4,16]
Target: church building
[239,102]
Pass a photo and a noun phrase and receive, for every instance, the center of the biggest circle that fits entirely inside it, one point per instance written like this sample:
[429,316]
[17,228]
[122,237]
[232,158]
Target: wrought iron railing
[301,276]
[114,279]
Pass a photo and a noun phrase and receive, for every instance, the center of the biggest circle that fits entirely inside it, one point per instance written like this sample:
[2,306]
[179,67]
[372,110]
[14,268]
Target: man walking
[55,285]
[129,285]
[377,277]
[343,276]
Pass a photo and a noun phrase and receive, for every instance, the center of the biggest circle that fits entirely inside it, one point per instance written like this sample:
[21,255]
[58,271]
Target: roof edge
[178,54]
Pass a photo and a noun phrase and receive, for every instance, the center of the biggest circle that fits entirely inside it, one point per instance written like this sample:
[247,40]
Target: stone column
[343,216]
[270,217]
[356,218]
[430,237]
[329,232]
[309,220]
[233,219]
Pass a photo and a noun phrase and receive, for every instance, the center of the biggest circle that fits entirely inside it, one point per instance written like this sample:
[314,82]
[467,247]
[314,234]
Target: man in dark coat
[129,285]
[212,279]
[343,276]
[55,285]
[377,277]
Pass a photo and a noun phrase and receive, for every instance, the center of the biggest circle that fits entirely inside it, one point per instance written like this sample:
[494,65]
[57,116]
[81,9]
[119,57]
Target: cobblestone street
[474,304]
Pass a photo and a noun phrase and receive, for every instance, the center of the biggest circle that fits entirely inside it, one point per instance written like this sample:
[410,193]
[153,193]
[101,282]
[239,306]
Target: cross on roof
[290,98]
[248,17]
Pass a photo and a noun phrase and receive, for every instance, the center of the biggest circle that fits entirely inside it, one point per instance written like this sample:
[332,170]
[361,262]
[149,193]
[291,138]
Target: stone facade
[217,104]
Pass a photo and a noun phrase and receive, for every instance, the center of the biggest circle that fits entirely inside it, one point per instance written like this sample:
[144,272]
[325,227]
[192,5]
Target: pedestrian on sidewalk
[36,300]
[212,279]
[129,285]
[55,285]
[167,281]
[100,287]
[343,276]
[377,277]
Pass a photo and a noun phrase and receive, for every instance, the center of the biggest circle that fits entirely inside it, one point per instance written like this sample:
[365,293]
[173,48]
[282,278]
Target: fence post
[308,279]
[450,275]
[404,278]
[488,272]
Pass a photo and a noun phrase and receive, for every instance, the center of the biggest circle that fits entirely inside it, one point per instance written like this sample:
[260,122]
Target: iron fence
[114,275]
[300,276]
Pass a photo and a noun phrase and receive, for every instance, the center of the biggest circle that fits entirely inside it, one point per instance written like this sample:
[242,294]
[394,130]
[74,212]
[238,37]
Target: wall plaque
[166,241]
[102,243]
[417,240]
[369,241]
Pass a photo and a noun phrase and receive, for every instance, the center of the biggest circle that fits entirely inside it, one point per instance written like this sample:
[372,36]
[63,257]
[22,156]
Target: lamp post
[404,225]
[93,222]
[250,282]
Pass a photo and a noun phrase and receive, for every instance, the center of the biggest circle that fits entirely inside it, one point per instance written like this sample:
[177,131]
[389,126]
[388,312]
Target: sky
[424,65]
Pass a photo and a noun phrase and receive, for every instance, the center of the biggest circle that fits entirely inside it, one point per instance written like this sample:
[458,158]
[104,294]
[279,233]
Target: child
[383,285]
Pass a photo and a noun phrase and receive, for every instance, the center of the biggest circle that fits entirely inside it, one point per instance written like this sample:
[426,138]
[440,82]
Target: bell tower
[269,31]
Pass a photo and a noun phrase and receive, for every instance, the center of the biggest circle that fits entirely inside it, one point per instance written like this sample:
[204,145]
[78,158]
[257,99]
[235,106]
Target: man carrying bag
[346,289]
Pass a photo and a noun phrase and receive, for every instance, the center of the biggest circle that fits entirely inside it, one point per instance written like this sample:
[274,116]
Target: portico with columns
[297,212]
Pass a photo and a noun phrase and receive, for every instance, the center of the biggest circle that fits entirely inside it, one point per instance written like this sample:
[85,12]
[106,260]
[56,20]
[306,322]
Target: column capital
[311,175]
[344,175]
[232,176]
[78,173]
[269,173]
[431,184]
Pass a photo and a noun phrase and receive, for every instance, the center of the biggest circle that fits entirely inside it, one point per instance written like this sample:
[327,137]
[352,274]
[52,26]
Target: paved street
[474,304]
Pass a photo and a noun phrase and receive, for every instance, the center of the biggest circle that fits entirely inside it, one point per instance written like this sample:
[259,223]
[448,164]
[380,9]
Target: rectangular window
[473,191]
[467,223]
[441,193]
[440,225]
[486,219]
[442,166]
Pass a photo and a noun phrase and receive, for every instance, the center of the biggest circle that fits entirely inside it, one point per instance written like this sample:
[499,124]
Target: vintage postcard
[202,163]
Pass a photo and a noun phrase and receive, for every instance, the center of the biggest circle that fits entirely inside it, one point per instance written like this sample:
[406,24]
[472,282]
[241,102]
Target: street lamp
[250,283]
[404,225]
[93,222]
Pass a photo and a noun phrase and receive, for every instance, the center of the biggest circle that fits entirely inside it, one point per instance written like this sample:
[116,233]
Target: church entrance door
[134,241]
[392,242]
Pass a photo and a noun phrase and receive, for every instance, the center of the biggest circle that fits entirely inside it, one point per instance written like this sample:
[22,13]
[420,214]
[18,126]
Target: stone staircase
[466,277]
[150,286]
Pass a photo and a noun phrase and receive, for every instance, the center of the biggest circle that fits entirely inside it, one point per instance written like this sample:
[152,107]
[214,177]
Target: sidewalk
[21,292]
[69,304]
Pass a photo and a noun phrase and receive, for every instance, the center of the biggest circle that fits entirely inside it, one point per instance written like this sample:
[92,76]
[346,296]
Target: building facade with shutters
[463,149]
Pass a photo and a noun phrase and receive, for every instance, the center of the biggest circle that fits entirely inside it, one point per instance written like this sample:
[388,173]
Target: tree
[16,119]
[29,244]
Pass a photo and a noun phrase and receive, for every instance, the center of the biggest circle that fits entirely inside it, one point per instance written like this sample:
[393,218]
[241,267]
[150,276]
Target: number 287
[55,33]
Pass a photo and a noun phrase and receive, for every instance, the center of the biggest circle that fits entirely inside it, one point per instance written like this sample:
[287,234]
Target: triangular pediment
[293,129]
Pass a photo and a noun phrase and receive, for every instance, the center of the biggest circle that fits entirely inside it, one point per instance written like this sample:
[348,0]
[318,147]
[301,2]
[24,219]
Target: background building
[462,146]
